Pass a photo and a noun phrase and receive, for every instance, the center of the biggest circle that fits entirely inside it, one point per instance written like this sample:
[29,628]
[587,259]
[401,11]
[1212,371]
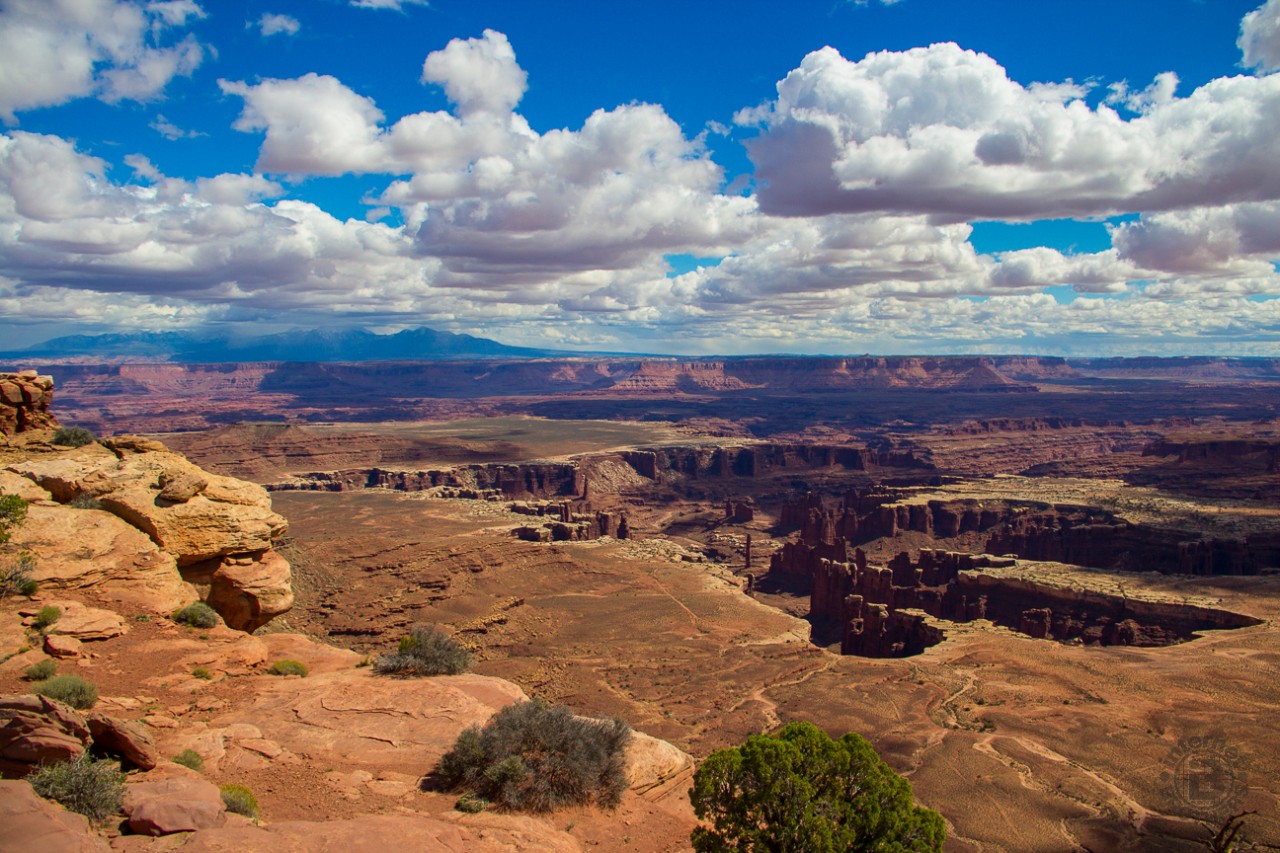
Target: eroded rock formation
[152,525]
[25,399]
[569,523]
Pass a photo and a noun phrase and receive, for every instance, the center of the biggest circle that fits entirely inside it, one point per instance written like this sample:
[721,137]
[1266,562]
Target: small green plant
[142,617]
[202,673]
[425,651]
[189,758]
[471,804]
[45,669]
[84,784]
[197,615]
[85,501]
[534,756]
[288,667]
[69,689]
[239,800]
[46,616]
[15,576]
[13,510]
[73,436]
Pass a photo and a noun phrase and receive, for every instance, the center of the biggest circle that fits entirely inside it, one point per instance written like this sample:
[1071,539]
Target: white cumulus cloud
[1260,37]
[944,131]
[52,51]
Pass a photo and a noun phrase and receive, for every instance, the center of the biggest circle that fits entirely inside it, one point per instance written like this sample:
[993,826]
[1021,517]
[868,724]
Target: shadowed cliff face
[885,611]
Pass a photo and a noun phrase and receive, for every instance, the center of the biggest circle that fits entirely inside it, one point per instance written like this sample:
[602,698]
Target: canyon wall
[1079,535]
[893,611]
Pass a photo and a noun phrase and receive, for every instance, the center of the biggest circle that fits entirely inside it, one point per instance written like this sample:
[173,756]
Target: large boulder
[35,730]
[172,799]
[79,621]
[252,590]
[30,822]
[127,739]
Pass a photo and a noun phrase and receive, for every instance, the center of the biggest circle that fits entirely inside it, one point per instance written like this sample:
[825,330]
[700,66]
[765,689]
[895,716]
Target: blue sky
[720,177]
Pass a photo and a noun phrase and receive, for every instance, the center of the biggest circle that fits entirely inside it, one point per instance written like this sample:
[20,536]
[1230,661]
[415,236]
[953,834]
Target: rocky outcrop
[163,524]
[24,402]
[35,730]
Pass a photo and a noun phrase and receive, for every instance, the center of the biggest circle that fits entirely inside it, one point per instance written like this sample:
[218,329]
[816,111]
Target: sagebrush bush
[189,758]
[288,666]
[85,501]
[197,615]
[15,575]
[202,673]
[46,616]
[533,756]
[72,436]
[69,689]
[240,800]
[426,651]
[13,510]
[85,785]
[46,668]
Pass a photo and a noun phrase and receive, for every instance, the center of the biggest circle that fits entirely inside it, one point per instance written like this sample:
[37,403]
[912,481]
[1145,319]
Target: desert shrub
[189,758]
[46,616]
[85,501]
[801,790]
[288,667]
[15,575]
[202,673]
[69,689]
[197,615]
[73,437]
[84,784]
[240,800]
[469,803]
[13,510]
[425,651]
[46,668]
[534,756]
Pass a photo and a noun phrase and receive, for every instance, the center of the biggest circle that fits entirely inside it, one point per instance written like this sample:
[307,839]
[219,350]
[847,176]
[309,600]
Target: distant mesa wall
[25,399]
[529,480]
[898,610]
[668,465]
[671,464]
[1263,454]
[1062,533]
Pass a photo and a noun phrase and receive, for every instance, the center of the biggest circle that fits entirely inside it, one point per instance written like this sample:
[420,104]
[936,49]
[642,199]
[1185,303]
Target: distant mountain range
[310,345]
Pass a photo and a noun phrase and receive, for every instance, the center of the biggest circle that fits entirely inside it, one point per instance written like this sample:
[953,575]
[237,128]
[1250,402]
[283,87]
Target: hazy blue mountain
[307,345]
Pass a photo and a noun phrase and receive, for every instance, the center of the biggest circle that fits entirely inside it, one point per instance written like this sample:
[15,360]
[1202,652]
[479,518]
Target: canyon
[1036,585]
